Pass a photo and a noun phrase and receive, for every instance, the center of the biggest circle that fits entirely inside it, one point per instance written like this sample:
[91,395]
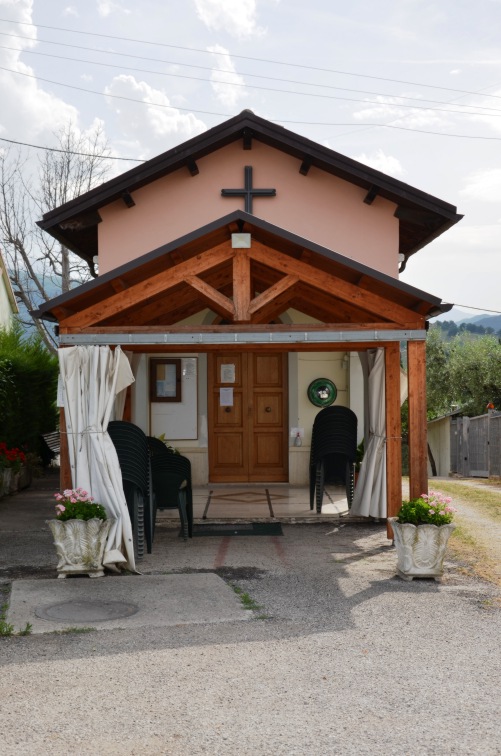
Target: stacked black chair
[333,452]
[133,453]
[171,481]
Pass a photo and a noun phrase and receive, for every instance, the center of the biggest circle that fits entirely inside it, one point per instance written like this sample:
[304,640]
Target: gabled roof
[185,276]
[422,217]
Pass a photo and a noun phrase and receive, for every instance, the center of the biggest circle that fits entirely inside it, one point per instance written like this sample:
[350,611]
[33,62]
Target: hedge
[28,388]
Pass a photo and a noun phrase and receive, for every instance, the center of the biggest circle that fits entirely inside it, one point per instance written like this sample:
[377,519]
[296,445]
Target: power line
[209,68]
[480,309]
[243,57]
[228,115]
[70,152]
[272,89]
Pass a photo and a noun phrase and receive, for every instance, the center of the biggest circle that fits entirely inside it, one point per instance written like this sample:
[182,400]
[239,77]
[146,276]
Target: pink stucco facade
[318,206]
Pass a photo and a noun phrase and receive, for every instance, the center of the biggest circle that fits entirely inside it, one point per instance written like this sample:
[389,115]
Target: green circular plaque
[322,392]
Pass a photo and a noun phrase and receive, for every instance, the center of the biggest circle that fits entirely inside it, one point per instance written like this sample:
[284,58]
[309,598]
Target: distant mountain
[457,315]
[490,321]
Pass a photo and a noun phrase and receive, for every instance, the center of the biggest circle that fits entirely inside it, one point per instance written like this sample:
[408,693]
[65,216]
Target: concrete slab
[161,601]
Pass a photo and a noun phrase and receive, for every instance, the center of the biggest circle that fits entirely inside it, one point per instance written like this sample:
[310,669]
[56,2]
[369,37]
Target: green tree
[439,397]
[464,372]
[28,387]
[475,373]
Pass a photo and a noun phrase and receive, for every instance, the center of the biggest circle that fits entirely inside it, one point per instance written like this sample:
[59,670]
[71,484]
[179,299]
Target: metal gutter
[261,337]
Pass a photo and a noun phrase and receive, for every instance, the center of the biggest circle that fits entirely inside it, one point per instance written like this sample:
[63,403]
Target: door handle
[227,409]
[267,409]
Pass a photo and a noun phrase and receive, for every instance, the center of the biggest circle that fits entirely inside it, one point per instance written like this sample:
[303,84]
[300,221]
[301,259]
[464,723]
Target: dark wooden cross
[248,192]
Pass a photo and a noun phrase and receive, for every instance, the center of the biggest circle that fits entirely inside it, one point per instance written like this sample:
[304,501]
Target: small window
[165,380]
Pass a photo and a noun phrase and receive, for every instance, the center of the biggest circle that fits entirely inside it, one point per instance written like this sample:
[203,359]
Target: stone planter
[80,546]
[420,548]
[25,477]
[5,478]
[14,482]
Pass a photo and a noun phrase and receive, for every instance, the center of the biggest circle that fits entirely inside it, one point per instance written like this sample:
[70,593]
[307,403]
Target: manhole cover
[87,611]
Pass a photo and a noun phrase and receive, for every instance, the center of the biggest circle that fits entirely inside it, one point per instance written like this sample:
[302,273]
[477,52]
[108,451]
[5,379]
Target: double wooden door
[247,409]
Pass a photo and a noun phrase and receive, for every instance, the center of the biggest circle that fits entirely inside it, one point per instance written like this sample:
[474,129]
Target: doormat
[239,529]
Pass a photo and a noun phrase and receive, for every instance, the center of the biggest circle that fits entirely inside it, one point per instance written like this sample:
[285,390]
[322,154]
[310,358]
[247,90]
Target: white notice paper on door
[228,373]
[226,397]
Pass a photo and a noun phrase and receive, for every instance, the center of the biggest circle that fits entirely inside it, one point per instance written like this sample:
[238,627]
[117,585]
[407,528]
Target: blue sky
[411,87]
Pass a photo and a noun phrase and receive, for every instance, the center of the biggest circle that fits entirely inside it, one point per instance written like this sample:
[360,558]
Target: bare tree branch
[39,266]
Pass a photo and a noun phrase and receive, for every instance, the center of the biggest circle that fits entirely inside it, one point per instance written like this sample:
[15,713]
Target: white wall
[439,439]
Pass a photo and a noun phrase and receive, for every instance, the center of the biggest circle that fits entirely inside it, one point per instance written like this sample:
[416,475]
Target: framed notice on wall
[176,418]
[165,380]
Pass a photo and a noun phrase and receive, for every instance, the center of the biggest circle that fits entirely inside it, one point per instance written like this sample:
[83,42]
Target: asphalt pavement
[306,643]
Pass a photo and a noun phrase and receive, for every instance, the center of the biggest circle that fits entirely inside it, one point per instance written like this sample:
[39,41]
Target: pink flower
[68,493]
[58,497]
[60,507]
[73,500]
[431,511]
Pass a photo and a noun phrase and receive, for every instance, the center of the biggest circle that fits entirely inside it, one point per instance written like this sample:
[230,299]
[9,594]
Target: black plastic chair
[171,482]
[333,453]
[133,453]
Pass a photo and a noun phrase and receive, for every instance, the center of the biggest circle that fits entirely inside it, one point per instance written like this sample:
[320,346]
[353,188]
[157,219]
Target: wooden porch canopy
[248,273]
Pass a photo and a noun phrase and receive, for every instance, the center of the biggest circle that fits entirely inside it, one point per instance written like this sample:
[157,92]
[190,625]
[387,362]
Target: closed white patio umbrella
[91,377]
[370,494]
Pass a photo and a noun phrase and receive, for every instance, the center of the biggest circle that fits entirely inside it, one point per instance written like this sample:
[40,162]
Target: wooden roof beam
[371,195]
[214,299]
[305,166]
[331,284]
[157,284]
[241,285]
[247,139]
[118,284]
[280,287]
[127,199]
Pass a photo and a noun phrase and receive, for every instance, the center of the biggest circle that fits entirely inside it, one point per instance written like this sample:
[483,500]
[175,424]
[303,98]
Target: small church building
[241,271]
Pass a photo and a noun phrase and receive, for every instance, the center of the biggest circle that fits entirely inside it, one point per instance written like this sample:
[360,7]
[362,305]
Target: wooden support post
[393,432]
[418,459]
[64,455]
[241,285]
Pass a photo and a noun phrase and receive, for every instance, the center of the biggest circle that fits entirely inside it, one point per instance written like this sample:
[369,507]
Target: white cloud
[236,17]
[484,186]
[70,10]
[28,111]
[387,110]
[107,7]
[223,76]
[382,162]
[147,124]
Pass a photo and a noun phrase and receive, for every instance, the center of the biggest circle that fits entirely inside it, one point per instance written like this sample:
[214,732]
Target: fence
[476,445]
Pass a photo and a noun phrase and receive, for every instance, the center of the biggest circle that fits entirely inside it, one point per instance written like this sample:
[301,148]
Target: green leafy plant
[77,504]
[6,630]
[172,449]
[360,455]
[432,509]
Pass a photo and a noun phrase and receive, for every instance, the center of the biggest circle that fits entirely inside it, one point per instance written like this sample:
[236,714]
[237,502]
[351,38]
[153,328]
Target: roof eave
[222,134]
